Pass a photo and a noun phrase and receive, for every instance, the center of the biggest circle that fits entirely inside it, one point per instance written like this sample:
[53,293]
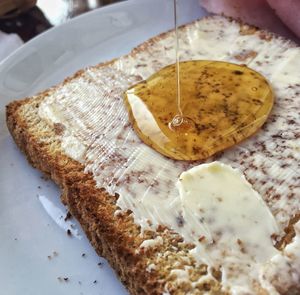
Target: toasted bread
[89,184]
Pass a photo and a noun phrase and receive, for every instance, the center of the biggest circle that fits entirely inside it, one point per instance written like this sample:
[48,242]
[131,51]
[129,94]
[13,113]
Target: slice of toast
[78,134]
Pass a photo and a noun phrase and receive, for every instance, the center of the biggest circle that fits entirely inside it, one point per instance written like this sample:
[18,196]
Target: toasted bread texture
[113,232]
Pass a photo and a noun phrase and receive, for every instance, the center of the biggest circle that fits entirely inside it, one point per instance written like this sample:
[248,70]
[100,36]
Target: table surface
[47,14]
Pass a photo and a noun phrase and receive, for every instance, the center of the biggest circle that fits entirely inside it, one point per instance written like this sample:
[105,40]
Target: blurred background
[28,18]
[21,20]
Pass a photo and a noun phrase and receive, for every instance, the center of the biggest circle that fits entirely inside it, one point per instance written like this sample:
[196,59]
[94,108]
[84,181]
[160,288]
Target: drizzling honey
[194,109]
[178,119]
[222,104]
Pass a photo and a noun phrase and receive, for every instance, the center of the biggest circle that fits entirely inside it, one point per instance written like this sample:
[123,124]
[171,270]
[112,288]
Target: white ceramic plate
[31,215]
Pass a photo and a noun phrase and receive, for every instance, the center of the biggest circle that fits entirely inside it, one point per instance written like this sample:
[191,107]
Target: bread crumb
[68,216]
[45,178]
[55,254]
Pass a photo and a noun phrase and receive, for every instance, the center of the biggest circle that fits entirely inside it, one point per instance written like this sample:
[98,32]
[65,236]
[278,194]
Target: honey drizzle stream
[178,119]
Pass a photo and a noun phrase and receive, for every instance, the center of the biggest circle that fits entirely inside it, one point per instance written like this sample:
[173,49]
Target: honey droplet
[222,104]
[181,124]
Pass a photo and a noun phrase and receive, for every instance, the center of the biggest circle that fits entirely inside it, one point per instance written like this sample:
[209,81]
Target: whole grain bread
[116,236]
